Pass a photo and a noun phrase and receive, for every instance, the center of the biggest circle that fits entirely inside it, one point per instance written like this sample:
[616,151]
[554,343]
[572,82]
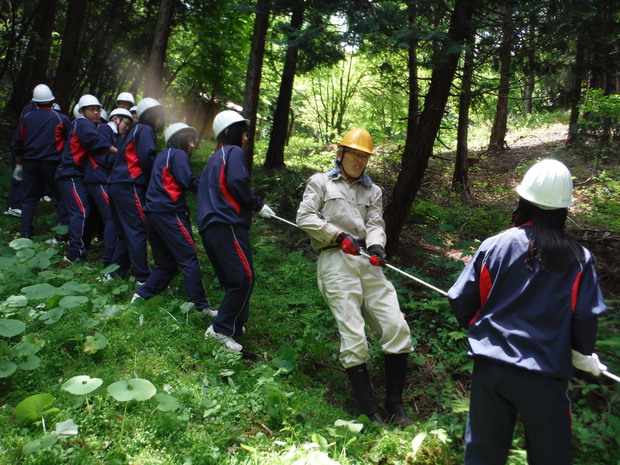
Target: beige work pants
[358,293]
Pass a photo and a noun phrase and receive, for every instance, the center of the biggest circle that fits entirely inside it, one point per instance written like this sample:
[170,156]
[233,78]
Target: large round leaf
[10,327]
[45,442]
[166,402]
[32,408]
[17,301]
[32,362]
[20,243]
[40,291]
[132,389]
[71,287]
[71,301]
[52,316]
[95,343]
[81,385]
[7,368]
[25,254]
[66,428]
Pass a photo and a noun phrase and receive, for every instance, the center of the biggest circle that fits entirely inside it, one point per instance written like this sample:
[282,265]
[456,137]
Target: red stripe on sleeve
[484,287]
[575,292]
[225,192]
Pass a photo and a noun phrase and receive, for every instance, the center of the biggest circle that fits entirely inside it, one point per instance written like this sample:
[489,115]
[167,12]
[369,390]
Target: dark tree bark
[459,178]
[36,59]
[277,140]
[531,67]
[412,66]
[68,62]
[415,161]
[253,76]
[157,56]
[578,75]
[497,140]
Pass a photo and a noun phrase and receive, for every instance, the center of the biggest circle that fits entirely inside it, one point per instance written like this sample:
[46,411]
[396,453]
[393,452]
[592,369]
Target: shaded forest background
[415,73]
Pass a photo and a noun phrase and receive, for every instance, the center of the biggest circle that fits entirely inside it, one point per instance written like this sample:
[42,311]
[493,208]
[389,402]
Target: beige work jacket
[330,204]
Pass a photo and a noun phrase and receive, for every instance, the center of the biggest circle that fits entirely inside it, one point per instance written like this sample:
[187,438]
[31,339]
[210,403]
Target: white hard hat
[42,94]
[125,97]
[104,115]
[120,112]
[56,107]
[88,100]
[134,109]
[146,104]
[175,128]
[548,185]
[76,112]
[225,119]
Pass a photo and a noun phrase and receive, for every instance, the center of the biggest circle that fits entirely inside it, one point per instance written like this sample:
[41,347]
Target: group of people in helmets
[529,297]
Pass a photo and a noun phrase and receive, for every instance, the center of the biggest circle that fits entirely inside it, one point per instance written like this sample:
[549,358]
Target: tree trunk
[459,178]
[575,93]
[497,140]
[154,75]
[253,76]
[277,141]
[415,161]
[69,61]
[412,67]
[36,59]
[531,66]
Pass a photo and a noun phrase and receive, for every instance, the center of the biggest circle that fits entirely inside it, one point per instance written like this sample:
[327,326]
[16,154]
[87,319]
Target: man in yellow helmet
[342,212]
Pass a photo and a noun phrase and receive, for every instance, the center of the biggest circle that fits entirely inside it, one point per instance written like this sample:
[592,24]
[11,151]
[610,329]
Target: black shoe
[397,415]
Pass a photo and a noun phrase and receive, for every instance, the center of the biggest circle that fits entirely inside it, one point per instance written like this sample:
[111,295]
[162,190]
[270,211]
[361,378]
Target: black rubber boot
[395,370]
[362,390]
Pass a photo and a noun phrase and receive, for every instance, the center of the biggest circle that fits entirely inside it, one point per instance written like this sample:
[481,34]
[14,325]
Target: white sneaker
[135,297]
[16,212]
[46,198]
[226,341]
[208,311]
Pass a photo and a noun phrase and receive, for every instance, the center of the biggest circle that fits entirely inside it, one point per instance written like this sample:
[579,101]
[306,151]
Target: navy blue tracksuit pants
[14,198]
[172,244]
[126,202]
[38,178]
[228,248]
[75,197]
[100,197]
[498,392]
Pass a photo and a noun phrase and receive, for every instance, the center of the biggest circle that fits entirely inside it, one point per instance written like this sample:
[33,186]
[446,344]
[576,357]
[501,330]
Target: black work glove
[378,257]
[348,244]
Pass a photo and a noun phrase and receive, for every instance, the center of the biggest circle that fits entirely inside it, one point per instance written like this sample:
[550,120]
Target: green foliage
[601,121]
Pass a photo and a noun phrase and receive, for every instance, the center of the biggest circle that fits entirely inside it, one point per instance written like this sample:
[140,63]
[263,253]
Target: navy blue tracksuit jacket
[128,181]
[169,227]
[84,140]
[39,140]
[522,325]
[225,205]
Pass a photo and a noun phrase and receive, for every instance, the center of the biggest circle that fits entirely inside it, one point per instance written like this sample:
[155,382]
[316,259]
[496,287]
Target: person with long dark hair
[225,205]
[530,299]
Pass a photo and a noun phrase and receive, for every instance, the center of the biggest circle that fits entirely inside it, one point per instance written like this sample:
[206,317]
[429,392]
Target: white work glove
[589,363]
[18,173]
[266,212]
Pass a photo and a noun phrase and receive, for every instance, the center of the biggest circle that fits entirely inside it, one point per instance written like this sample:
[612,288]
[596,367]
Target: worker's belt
[361,243]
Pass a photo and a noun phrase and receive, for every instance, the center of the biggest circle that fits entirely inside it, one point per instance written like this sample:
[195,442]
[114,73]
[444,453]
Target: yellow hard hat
[357,138]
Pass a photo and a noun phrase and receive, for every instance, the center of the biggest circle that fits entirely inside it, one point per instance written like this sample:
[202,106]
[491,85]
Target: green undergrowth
[87,378]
